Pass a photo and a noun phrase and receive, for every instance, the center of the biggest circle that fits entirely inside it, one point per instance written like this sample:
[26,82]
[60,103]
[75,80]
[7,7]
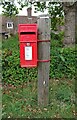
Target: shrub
[57,38]
[62,62]
[12,72]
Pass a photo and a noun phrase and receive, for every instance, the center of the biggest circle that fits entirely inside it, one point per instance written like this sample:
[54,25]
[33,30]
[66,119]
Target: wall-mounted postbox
[28,44]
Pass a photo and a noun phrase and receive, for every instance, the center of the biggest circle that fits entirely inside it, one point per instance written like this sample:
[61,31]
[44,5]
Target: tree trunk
[69,11]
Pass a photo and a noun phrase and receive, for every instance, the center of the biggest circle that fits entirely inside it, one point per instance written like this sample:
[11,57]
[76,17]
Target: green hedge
[62,62]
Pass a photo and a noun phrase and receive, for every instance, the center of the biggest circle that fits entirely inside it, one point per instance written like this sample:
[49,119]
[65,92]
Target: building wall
[16,20]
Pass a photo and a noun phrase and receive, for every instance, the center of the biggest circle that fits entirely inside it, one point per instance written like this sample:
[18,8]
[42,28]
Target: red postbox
[28,44]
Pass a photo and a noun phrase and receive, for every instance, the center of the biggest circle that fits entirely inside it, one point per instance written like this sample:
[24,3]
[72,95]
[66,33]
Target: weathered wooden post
[44,59]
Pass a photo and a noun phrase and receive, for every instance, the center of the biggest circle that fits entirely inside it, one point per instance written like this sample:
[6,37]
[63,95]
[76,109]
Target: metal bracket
[43,40]
[43,60]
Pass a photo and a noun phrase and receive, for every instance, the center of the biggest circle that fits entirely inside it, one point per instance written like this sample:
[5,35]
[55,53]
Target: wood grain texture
[43,67]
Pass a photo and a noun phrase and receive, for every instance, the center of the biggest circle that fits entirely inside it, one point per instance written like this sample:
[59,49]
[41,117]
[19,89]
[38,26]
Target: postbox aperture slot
[30,33]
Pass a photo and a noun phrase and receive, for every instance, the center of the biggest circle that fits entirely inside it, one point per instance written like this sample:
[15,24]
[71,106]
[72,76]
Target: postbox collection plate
[28,53]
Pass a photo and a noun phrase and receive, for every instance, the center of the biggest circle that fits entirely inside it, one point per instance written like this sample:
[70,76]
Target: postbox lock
[28,44]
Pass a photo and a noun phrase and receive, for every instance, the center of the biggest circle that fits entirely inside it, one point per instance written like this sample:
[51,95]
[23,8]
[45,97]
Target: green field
[19,93]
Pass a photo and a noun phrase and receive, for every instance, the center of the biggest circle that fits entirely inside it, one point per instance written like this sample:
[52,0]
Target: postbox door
[28,54]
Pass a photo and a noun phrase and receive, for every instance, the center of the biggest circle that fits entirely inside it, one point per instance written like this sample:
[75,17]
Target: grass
[21,101]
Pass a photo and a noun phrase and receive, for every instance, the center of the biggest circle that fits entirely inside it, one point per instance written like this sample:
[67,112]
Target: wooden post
[43,54]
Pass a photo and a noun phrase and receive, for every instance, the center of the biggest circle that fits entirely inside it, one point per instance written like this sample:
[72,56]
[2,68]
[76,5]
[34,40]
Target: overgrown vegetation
[20,84]
[62,62]
[62,59]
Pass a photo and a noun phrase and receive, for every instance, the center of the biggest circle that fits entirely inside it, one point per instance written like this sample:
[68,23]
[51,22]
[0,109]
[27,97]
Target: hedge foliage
[62,62]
